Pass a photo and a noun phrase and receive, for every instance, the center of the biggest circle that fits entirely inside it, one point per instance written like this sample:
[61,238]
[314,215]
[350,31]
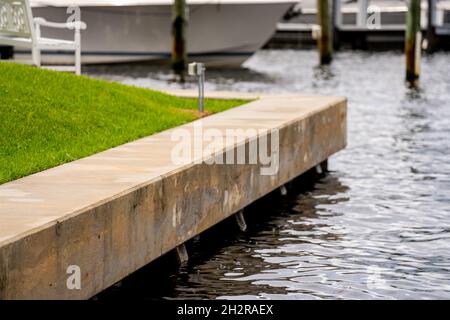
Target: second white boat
[220,32]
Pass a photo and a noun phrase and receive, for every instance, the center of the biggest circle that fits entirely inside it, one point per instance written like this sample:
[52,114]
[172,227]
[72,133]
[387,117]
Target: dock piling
[413,43]
[325,39]
[179,24]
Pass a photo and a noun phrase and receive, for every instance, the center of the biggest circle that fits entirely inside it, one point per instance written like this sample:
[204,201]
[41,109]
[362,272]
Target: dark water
[376,226]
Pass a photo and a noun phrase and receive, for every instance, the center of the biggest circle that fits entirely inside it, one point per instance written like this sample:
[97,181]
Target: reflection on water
[377,226]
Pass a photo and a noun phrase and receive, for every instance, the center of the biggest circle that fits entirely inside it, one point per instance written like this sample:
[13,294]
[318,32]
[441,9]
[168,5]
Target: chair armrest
[80,25]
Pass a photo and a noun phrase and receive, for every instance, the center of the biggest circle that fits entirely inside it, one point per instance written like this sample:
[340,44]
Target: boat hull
[217,34]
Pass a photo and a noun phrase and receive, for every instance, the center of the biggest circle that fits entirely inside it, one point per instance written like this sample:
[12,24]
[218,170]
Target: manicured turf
[48,118]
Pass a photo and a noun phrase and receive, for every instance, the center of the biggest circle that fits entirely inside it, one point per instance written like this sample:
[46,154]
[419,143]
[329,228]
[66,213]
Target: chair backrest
[16,18]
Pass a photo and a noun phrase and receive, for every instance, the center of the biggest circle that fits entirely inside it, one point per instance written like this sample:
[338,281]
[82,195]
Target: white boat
[220,32]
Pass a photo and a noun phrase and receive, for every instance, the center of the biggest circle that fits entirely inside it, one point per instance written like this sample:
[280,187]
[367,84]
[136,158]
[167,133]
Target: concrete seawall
[116,211]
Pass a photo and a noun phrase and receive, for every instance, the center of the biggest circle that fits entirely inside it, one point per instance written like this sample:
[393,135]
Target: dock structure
[365,24]
[74,230]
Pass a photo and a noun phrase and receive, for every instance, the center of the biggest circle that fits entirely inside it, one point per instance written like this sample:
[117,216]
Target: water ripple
[378,225]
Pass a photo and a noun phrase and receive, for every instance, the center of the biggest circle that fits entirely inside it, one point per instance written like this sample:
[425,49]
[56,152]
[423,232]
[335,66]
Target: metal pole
[325,39]
[198,70]
[201,90]
[413,43]
[179,23]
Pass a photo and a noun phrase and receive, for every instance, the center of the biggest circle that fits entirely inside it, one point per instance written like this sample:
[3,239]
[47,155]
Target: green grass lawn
[48,118]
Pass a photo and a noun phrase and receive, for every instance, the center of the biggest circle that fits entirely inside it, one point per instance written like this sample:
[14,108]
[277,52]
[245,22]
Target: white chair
[18,28]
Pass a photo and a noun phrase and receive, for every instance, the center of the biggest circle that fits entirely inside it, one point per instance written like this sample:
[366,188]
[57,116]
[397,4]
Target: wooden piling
[412,43]
[325,40]
[179,24]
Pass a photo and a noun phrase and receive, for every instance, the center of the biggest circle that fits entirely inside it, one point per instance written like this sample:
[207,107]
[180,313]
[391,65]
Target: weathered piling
[325,39]
[413,43]
[431,28]
[179,24]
